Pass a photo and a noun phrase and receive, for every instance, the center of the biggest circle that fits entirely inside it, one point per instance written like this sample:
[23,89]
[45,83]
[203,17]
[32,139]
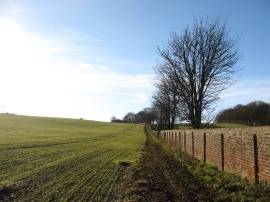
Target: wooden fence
[245,152]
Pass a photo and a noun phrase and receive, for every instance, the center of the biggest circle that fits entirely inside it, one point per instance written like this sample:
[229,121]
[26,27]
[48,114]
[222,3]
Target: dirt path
[161,177]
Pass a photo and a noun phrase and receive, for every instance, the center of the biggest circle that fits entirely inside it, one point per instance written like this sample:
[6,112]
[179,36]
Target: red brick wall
[238,148]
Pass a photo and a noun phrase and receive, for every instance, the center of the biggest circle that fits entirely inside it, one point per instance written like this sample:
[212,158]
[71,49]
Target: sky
[94,59]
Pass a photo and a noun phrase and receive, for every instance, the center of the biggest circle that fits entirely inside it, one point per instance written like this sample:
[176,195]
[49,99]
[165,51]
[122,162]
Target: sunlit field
[64,159]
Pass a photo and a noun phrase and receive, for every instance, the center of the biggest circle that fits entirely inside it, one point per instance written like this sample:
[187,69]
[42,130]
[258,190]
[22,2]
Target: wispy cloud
[58,72]
[249,88]
[245,91]
[138,98]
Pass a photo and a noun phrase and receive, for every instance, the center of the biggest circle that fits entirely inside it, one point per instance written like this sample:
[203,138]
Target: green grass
[185,126]
[64,159]
[229,125]
[228,186]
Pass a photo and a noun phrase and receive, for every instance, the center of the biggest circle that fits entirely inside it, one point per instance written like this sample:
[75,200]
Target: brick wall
[245,152]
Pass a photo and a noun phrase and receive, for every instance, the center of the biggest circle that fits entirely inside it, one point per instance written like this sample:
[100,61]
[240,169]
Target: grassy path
[161,177]
[64,159]
[166,175]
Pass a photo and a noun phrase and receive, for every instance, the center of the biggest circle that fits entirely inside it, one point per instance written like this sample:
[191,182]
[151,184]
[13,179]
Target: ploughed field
[64,159]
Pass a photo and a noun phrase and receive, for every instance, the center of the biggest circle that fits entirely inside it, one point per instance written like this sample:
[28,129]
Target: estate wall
[245,151]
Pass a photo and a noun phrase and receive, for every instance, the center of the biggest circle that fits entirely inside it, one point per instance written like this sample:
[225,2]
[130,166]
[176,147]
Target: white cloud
[103,67]
[245,91]
[249,88]
[140,97]
[43,75]
[83,65]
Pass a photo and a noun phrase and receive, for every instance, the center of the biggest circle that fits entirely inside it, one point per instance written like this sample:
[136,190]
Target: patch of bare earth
[161,177]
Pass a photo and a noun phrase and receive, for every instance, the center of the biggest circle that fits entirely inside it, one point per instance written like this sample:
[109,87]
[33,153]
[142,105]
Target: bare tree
[145,116]
[114,118]
[200,63]
[129,117]
[165,103]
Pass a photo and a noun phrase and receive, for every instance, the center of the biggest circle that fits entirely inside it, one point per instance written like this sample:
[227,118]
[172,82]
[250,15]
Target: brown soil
[161,177]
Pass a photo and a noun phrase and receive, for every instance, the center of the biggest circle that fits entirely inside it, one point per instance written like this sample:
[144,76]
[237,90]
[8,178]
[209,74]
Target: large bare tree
[200,63]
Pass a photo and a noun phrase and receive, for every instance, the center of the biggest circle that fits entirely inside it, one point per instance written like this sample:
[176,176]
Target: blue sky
[94,58]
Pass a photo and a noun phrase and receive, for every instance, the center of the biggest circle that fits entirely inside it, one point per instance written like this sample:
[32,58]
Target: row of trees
[254,113]
[145,116]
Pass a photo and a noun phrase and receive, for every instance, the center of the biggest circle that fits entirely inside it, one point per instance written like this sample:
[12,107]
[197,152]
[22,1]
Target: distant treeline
[254,113]
[145,116]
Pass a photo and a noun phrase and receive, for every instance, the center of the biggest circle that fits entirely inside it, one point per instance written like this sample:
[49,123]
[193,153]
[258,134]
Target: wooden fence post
[175,143]
[171,144]
[256,163]
[185,145]
[222,152]
[204,147]
[180,141]
[171,137]
[192,145]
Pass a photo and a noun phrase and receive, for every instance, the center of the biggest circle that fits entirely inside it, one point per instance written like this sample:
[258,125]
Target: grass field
[216,125]
[230,125]
[48,159]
